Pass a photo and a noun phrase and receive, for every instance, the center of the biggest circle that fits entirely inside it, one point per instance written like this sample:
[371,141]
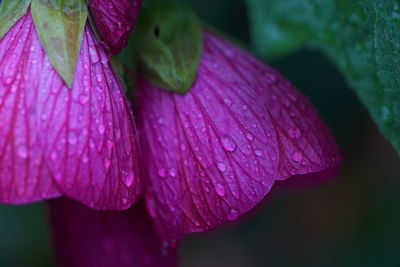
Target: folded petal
[24,172]
[89,238]
[215,152]
[85,135]
[115,20]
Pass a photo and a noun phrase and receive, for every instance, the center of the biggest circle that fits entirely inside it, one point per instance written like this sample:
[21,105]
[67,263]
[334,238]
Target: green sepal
[10,12]
[168,44]
[60,25]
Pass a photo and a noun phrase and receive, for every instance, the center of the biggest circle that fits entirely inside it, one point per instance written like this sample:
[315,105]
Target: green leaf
[361,37]
[168,43]
[10,12]
[60,25]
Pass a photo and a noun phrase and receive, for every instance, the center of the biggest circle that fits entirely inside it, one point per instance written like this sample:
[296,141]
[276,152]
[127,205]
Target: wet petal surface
[215,152]
[80,141]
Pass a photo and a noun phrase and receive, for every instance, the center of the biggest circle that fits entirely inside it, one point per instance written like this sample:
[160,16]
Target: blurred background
[351,221]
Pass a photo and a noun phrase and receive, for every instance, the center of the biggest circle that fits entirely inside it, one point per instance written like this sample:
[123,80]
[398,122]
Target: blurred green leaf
[168,42]
[361,37]
[60,26]
[10,12]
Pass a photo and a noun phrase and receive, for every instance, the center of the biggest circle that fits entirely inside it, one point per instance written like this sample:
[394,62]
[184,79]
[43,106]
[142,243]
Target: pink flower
[214,153]
[115,20]
[80,141]
[89,238]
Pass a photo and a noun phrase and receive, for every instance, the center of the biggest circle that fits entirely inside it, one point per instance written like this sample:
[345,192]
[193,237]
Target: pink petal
[24,172]
[89,131]
[215,152]
[85,134]
[89,238]
[115,20]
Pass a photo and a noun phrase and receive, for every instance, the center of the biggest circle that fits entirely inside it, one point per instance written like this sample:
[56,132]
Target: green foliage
[10,12]
[361,37]
[168,43]
[60,26]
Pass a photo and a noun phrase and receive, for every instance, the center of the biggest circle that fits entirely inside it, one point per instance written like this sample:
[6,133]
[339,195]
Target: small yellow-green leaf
[60,25]
[10,12]
[168,43]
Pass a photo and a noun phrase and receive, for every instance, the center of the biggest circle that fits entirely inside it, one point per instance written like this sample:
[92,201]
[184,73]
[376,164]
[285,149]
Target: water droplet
[172,172]
[221,166]
[183,147]
[228,143]
[249,136]
[22,152]
[220,190]
[161,172]
[107,163]
[227,102]
[128,181]
[297,156]
[85,158]
[53,155]
[83,99]
[294,133]
[258,152]
[245,107]
[8,80]
[72,138]
[101,128]
[99,77]
[233,214]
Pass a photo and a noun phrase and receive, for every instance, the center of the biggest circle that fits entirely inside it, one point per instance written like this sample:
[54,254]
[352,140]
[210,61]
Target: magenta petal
[85,135]
[89,238]
[215,152]
[24,174]
[115,20]
[88,131]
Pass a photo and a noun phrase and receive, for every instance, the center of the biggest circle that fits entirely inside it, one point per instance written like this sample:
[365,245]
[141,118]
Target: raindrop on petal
[220,190]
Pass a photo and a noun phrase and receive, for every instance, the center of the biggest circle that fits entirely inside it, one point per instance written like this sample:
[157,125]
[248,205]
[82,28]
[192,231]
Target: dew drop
[233,214]
[183,147]
[297,156]
[228,144]
[220,190]
[8,80]
[161,172]
[72,138]
[85,158]
[294,133]
[227,102]
[107,163]
[101,128]
[221,166]
[53,155]
[258,152]
[172,172]
[83,99]
[249,136]
[22,152]
[128,181]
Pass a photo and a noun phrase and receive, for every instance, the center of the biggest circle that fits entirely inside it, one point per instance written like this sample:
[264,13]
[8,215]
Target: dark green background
[351,221]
